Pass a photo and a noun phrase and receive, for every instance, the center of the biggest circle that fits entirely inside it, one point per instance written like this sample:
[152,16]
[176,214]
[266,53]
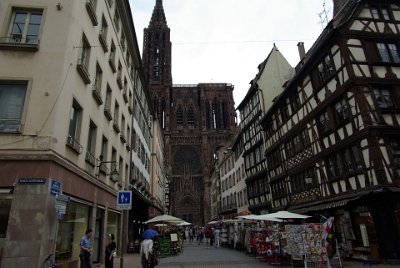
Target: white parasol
[286,215]
[165,218]
[259,218]
[185,223]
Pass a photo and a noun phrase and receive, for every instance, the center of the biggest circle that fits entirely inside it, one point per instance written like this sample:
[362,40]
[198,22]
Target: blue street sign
[124,200]
[55,187]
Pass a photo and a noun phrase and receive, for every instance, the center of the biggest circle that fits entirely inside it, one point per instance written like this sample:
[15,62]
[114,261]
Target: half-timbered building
[332,136]
[273,72]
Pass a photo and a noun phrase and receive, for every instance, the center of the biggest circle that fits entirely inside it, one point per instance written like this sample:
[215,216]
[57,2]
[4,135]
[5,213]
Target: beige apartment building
[68,78]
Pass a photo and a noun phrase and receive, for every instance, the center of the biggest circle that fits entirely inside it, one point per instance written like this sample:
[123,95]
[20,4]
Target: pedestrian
[217,236]
[191,234]
[86,249]
[208,234]
[147,254]
[110,252]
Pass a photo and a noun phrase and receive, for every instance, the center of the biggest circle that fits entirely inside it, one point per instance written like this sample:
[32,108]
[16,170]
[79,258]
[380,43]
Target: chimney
[302,51]
[337,6]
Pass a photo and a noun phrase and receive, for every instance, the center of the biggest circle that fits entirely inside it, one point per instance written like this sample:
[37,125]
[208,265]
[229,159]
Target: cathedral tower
[196,120]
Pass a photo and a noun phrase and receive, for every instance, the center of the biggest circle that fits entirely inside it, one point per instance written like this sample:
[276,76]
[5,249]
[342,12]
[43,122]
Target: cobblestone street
[194,255]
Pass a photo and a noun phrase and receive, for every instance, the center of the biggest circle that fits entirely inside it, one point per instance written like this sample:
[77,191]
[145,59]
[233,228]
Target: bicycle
[49,262]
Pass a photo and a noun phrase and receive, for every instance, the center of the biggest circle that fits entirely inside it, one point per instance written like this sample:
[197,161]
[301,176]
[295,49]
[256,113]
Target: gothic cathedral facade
[196,120]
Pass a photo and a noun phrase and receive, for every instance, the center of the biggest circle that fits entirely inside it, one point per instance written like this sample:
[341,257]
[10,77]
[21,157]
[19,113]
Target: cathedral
[196,120]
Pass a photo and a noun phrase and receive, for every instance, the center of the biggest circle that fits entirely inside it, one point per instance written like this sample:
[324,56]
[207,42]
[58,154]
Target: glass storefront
[70,230]
[113,225]
[5,206]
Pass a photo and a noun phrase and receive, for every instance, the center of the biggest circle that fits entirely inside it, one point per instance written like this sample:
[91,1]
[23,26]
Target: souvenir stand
[277,245]
[307,245]
[224,235]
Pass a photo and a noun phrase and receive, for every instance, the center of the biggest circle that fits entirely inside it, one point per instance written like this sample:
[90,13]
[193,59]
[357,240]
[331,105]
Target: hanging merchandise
[306,242]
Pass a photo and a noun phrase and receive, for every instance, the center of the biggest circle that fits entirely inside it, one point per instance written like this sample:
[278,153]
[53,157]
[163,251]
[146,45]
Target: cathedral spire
[158,16]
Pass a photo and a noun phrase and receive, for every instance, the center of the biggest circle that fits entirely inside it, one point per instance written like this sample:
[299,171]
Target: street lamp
[114,174]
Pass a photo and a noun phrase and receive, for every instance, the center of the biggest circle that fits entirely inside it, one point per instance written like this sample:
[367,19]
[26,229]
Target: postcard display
[306,242]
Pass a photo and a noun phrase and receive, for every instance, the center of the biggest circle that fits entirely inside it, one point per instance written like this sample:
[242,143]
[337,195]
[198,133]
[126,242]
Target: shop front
[366,227]
[31,215]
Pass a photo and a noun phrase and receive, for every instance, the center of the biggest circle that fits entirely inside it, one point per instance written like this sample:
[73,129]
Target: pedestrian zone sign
[124,200]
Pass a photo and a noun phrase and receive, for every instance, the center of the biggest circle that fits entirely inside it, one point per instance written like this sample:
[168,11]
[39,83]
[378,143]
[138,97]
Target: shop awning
[322,206]
[340,201]
[144,198]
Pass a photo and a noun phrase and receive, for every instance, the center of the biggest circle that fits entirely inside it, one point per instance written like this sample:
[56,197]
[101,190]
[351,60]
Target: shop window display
[70,230]
[365,246]
[5,205]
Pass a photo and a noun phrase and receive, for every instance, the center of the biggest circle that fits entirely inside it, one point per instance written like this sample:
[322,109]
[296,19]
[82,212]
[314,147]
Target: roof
[342,17]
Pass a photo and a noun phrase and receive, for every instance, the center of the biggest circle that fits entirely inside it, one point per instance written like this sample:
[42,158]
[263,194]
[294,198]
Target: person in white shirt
[146,248]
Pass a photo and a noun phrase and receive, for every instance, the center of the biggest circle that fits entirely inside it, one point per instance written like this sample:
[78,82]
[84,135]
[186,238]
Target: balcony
[83,71]
[119,81]
[74,145]
[111,61]
[104,169]
[103,40]
[18,42]
[96,93]
[116,126]
[89,157]
[107,113]
[92,12]
[125,95]
[122,138]
[128,147]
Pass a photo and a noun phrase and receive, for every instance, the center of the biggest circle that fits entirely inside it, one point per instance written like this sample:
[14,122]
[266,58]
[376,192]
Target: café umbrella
[286,215]
[165,218]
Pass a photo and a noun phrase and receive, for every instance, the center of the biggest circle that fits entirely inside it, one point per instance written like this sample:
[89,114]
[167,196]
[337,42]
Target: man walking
[86,249]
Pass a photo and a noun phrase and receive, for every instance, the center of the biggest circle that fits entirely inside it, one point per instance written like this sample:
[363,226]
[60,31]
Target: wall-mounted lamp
[59,6]
[114,174]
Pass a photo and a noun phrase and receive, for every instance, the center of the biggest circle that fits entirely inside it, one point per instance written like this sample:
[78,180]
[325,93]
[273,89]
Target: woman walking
[110,252]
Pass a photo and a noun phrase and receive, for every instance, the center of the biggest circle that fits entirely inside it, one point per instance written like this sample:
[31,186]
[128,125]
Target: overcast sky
[225,40]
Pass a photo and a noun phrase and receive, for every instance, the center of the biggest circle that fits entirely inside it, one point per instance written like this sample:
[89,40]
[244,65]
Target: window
[103,34]
[295,102]
[107,106]
[394,147]
[380,13]
[324,122]
[334,166]
[83,61]
[111,59]
[74,121]
[98,78]
[353,160]
[389,53]
[116,20]
[123,46]
[74,127]
[91,143]
[325,69]
[12,99]
[384,98]
[5,207]
[25,27]
[116,118]
[342,111]
[191,120]
[179,117]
